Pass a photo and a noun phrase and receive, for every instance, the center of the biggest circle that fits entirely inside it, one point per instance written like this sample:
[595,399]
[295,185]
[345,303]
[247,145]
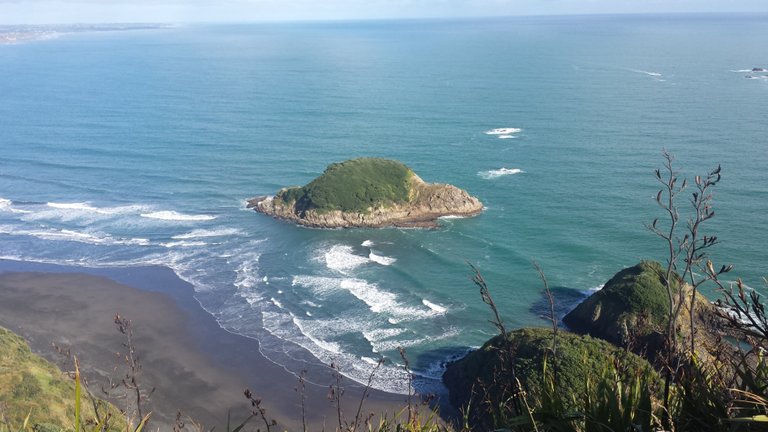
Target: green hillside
[30,385]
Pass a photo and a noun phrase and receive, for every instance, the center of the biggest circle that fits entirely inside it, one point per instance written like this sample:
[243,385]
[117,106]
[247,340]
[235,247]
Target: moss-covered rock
[632,311]
[631,308]
[578,358]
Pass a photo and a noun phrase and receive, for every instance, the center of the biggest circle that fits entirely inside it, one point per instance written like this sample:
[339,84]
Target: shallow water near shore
[141,148]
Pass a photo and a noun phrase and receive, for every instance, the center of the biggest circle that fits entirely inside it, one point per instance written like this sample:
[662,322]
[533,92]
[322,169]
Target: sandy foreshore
[194,365]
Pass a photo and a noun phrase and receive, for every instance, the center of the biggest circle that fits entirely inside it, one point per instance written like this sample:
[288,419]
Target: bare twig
[258,410]
[552,318]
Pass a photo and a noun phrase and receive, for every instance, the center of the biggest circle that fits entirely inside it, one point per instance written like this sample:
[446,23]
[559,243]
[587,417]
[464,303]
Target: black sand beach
[195,366]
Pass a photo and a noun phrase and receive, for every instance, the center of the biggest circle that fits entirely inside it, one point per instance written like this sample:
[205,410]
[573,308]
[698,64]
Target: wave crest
[170,215]
[503,131]
[492,174]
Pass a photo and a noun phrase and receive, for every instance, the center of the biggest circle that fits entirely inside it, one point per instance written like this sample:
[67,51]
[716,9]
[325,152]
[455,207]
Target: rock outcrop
[483,376]
[425,203]
[631,311]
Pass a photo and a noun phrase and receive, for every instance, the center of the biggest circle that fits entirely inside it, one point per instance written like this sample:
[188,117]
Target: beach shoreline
[195,366]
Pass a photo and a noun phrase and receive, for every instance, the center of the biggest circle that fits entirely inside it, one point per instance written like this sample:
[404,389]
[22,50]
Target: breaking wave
[492,174]
[170,215]
[503,131]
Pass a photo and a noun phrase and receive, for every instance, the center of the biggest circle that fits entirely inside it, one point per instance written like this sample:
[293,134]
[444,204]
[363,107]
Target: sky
[101,11]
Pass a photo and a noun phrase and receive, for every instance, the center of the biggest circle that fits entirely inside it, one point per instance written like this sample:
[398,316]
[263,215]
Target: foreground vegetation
[35,393]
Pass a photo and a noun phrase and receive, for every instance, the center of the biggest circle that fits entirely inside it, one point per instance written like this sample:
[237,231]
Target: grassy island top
[355,185]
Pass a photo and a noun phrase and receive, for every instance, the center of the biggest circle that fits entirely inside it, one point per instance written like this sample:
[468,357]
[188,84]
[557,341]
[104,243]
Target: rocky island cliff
[368,193]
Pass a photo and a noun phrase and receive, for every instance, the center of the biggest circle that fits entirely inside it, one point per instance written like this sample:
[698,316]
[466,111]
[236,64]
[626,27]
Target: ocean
[141,147]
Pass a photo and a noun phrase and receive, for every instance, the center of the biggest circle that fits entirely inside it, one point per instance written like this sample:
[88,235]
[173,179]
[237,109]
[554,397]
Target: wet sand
[194,365]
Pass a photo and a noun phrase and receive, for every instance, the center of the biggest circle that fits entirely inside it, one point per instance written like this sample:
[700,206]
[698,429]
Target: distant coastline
[17,34]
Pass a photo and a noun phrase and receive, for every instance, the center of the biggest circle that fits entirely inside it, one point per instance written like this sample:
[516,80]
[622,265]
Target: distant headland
[16,34]
[368,193]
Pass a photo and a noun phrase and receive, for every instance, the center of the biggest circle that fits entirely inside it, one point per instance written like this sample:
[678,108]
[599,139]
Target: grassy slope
[29,383]
[353,186]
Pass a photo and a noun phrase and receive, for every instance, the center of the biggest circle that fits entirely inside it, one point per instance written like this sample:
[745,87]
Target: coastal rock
[484,375]
[419,204]
[631,311]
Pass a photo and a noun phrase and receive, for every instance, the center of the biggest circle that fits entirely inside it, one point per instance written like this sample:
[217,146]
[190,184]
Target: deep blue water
[141,147]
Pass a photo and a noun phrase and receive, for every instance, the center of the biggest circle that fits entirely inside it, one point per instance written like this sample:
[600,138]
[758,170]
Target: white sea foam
[204,233]
[507,136]
[253,298]
[381,301]
[379,334]
[644,72]
[492,174]
[170,215]
[392,344]
[317,336]
[246,274]
[80,212]
[6,205]
[321,286]
[589,291]
[74,206]
[383,340]
[74,236]
[503,131]
[342,259]
[435,307]
[367,243]
[379,259]
[85,208]
[326,345]
[184,243]
[376,299]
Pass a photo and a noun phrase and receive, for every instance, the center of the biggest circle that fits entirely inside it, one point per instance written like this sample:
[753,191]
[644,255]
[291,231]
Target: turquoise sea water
[141,147]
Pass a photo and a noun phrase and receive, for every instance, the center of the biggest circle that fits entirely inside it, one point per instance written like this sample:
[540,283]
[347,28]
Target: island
[368,193]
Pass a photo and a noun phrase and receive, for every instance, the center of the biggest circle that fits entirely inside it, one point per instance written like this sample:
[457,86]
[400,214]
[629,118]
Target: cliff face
[426,203]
